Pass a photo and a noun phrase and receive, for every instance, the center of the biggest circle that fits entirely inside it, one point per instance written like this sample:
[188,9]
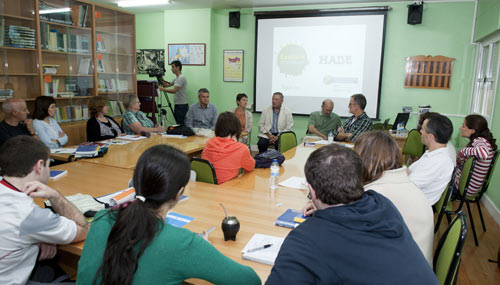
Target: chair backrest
[486,182]
[413,145]
[205,171]
[378,126]
[449,250]
[287,140]
[446,196]
[465,176]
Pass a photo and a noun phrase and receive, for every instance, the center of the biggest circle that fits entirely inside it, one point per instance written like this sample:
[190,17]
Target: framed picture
[187,54]
[150,59]
[233,65]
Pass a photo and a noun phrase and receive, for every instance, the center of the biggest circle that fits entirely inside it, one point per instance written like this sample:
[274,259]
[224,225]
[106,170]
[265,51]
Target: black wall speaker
[415,12]
[234,20]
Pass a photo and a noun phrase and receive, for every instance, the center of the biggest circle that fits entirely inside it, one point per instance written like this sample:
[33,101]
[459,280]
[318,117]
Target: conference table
[126,155]
[247,197]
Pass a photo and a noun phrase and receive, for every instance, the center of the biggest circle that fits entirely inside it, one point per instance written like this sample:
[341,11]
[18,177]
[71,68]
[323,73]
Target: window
[486,79]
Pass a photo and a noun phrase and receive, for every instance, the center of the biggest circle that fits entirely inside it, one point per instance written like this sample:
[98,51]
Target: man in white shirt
[432,172]
[30,233]
[273,121]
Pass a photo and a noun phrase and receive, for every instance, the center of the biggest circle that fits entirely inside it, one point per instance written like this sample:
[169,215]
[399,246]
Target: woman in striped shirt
[481,145]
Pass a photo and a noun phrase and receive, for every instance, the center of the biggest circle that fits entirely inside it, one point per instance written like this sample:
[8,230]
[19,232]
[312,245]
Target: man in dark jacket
[353,237]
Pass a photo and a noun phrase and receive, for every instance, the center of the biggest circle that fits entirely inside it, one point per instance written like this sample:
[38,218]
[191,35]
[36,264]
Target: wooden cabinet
[71,50]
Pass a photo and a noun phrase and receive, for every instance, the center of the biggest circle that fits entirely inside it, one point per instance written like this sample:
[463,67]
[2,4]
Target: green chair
[477,197]
[449,251]
[413,147]
[205,171]
[441,206]
[378,127]
[287,140]
[463,185]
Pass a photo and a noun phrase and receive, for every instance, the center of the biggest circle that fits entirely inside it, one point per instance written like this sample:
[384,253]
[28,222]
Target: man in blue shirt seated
[202,115]
[353,237]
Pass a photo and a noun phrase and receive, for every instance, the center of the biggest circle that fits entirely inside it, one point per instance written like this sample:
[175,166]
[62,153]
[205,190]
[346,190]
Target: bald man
[324,121]
[16,120]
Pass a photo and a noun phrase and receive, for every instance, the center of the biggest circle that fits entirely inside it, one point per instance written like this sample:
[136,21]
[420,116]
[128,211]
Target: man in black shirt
[16,120]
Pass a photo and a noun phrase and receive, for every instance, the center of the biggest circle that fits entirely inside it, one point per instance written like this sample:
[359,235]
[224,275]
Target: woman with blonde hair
[100,126]
[382,172]
[134,121]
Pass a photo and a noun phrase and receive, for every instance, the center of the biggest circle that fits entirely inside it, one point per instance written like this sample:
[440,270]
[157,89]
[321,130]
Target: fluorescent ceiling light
[137,3]
[55,10]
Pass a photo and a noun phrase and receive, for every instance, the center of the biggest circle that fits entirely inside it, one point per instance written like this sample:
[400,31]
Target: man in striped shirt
[357,124]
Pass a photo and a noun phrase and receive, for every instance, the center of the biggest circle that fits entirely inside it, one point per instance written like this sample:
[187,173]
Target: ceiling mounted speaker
[234,20]
[415,12]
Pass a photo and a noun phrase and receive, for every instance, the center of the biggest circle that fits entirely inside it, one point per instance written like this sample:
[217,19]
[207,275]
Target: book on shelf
[109,85]
[100,66]
[54,40]
[19,36]
[84,65]
[50,68]
[116,108]
[122,85]
[79,14]
[51,88]
[72,113]
[6,93]
[100,43]
[63,17]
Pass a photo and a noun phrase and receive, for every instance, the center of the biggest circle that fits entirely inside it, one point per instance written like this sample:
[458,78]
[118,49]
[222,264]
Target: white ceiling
[235,4]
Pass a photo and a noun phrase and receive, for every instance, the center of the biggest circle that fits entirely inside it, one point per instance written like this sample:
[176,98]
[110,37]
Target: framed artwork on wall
[150,59]
[233,65]
[187,54]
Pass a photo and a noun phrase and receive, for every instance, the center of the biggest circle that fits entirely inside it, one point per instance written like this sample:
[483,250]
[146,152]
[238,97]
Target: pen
[206,232]
[259,248]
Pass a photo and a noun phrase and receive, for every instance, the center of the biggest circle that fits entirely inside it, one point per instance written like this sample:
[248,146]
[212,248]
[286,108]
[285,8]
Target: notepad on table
[56,174]
[178,220]
[290,219]
[83,202]
[132,137]
[266,255]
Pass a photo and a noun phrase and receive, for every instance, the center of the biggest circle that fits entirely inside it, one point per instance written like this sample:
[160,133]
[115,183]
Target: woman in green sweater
[133,245]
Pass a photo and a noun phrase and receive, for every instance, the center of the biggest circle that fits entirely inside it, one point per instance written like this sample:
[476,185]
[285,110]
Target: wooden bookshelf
[22,67]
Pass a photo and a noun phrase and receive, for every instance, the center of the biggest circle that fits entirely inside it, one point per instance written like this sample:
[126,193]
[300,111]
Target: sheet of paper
[295,182]
[118,142]
[83,202]
[68,150]
[321,142]
[174,136]
[349,145]
[267,255]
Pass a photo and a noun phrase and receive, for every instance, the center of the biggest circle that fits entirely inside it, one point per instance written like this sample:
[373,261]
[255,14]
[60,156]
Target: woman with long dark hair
[482,145]
[133,244]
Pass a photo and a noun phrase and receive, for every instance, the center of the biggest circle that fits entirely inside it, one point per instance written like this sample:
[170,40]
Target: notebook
[266,255]
[178,220]
[287,219]
[56,174]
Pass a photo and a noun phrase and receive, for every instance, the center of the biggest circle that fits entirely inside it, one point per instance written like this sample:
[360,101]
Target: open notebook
[267,255]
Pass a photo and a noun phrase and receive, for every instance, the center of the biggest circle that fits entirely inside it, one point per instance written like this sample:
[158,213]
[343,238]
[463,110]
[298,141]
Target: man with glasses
[357,124]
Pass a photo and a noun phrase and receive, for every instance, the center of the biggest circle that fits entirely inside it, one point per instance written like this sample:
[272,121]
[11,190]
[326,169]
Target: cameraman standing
[180,90]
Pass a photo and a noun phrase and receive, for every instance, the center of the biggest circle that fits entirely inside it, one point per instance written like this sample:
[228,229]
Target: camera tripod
[163,112]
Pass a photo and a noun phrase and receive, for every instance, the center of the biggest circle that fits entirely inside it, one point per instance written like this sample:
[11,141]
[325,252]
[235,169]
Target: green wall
[488,18]
[445,30]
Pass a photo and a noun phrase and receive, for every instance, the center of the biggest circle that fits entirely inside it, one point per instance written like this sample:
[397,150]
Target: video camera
[158,73]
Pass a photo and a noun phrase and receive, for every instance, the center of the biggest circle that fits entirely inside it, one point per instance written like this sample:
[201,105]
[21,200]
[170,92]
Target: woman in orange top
[226,154]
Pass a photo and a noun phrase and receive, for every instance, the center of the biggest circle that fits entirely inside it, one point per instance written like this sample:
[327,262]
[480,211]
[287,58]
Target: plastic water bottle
[330,137]
[275,172]
[400,130]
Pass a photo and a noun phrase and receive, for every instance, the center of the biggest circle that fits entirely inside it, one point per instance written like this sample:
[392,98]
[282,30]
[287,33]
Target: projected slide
[334,66]
[309,59]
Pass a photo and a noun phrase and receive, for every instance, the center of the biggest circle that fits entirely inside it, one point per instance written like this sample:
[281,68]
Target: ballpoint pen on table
[259,248]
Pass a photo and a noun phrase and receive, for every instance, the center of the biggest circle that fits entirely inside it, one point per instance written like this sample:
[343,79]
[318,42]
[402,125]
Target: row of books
[116,108]
[72,113]
[112,85]
[52,39]
[17,36]
[76,16]
[6,93]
